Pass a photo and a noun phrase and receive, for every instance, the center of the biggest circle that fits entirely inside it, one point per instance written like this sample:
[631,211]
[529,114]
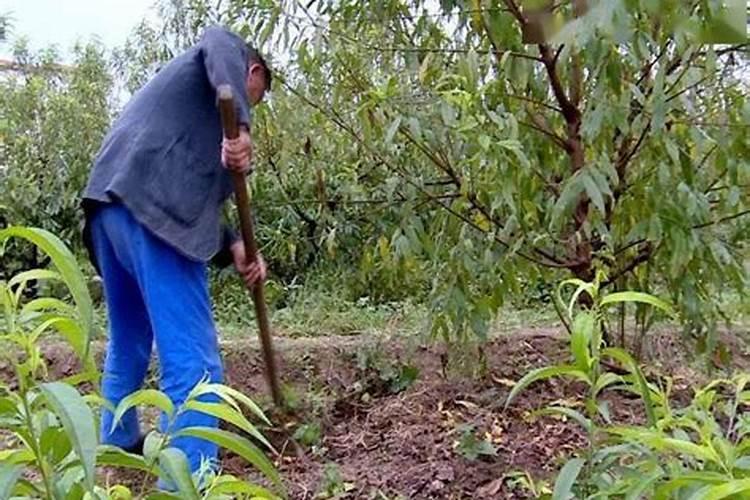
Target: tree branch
[540,128]
[722,220]
[569,111]
[535,101]
[643,255]
[686,89]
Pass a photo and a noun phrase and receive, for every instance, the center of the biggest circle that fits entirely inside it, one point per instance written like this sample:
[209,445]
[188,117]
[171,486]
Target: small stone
[436,485]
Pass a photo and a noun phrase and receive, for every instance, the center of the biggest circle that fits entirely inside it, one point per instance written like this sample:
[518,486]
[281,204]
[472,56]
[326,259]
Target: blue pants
[153,295]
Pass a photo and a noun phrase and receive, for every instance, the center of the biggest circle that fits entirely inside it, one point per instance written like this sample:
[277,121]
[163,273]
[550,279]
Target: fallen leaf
[491,489]
[504,381]
[467,404]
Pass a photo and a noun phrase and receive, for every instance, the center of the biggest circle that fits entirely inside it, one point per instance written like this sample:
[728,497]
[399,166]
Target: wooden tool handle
[231,131]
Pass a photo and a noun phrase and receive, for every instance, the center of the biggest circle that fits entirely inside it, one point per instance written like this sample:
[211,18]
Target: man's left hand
[252,272]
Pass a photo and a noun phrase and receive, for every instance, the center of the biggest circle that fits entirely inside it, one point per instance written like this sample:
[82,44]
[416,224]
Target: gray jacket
[162,156]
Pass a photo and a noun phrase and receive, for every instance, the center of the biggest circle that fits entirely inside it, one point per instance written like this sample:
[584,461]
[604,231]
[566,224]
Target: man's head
[258,79]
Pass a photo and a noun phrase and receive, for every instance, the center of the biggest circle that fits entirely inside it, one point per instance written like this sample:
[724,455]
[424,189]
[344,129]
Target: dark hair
[254,57]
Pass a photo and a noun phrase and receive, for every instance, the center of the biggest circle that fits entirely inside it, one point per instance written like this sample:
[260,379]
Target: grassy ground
[317,309]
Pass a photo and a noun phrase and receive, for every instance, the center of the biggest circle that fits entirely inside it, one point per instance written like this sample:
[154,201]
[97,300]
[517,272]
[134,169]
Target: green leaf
[66,264]
[660,104]
[70,330]
[153,444]
[392,130]
[55,444]
[544,373]
[566,479]
[48,304]
[9,474]
[448,114]
[638,489]
[719,491]
[569,195]
[415,128]
[602,408]
[237,444]
[163,495]
[230,415]
[9,406]
[581,286]
[658,442]
[605,380]
[20,279]
[307,434]
[24,456]
[238,489]
[115,457]
[642,386]
[175,465]
[9,308]
[150,397]
[593,192]
[231,396]
[26,489]
[580,340]
[641,297]
[567,412]
[470,446]
[78,421]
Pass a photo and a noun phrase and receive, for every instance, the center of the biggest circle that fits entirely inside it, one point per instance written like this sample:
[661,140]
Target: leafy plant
[471,447]
[333,485]
[523,480]
[589,350]
[308,434]
[53,449]
[380,374]
[700,451]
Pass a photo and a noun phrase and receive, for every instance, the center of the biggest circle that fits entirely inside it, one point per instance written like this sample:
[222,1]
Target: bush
[54,117]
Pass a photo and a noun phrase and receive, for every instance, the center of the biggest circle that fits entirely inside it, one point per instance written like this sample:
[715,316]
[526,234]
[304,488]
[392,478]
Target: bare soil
[379,439]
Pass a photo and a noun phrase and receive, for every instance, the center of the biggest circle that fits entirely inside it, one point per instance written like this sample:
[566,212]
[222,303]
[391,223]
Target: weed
[381,375]
[471,447]
[333,485]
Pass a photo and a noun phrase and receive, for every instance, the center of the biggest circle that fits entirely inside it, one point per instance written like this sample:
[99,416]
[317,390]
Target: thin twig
[722,220]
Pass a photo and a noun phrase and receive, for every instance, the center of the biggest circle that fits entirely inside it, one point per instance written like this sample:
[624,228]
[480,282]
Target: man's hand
[252,272]
[236,154]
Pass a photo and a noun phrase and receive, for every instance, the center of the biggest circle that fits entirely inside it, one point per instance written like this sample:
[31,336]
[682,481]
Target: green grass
[323,306]
[312,309]
[510,319]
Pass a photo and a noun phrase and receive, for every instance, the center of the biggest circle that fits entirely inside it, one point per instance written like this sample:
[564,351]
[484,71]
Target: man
[153,209]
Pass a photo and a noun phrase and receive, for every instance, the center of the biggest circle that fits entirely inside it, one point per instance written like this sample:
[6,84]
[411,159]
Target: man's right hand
[236,154]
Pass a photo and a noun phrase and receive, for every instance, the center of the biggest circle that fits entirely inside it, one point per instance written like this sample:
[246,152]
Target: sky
[63,22]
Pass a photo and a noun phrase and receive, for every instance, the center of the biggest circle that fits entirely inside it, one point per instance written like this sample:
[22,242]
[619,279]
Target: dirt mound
[423,442]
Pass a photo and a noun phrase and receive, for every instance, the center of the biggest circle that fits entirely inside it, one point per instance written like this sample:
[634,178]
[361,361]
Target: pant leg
[130,336]
[175,291]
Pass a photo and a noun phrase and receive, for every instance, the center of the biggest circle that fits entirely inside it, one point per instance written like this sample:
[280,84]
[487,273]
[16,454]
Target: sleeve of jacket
[225,58]
[223,257]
